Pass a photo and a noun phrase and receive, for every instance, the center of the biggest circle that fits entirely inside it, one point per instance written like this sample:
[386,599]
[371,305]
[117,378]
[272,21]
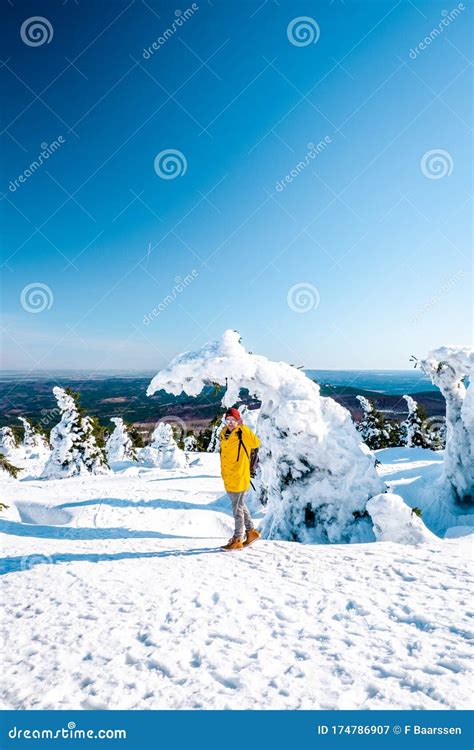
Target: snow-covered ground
[116,596]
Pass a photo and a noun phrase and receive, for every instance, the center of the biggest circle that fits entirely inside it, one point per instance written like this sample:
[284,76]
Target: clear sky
[358,261]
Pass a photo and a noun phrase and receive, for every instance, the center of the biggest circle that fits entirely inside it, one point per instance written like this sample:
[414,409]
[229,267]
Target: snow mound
[394,521]
[313,474]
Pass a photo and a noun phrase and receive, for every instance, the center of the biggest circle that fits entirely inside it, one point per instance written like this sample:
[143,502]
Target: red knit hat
[233,413]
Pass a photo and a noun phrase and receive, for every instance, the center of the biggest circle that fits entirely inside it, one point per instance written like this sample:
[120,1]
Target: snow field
[116,596]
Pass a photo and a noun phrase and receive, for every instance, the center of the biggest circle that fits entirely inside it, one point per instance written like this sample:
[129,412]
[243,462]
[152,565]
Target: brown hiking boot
[233,543]
[252,536]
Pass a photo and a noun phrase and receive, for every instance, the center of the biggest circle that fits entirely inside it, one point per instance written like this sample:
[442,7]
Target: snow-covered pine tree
[413,433]
[8,442]
[119,446]
[451,368]
[163,451]
[372,426]
[318,478]
[203,439]
[434,429]
[218,424]
[190,444]
[394,433]
[34,443]
[8,468]
[75,449]
[92,446]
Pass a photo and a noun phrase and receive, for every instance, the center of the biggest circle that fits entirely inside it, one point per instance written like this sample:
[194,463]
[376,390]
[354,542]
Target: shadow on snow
[16,564]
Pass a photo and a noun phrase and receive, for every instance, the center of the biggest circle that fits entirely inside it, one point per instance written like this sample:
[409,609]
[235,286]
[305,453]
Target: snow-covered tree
[372,426]
[190,444]
[75,448]
[92,446]
[413,432]
[394,431]
[451,368]
[119,446]
[34,443]
[317,477]
[163,451]
[8,443]
[434,430]
[218,425]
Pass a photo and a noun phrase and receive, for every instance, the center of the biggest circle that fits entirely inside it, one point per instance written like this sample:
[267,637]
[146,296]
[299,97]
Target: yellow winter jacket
[235,463]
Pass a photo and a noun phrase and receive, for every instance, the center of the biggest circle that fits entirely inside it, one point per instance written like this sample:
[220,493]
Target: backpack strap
[241,445]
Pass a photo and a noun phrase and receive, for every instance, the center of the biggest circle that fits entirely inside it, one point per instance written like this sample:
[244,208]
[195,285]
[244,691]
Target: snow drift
[395,521]
[314,475]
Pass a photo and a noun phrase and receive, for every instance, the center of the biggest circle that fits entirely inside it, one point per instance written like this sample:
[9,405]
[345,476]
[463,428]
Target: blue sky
[359,261]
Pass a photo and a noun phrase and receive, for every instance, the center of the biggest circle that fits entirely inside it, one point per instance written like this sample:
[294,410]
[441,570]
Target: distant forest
[126,397]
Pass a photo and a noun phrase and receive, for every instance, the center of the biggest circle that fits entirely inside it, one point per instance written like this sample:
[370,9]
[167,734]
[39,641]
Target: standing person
[238,451]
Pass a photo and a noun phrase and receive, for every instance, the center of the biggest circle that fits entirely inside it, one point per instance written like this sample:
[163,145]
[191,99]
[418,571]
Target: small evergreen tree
[190,444]
[77,441]
[413,433]
[119,446]
[92,446]
[203,439]
[163,451]
[6,466]
[135,435]
[8,441]
[434,430]
[372,426]
[217,425]
[34,441]
[394,433]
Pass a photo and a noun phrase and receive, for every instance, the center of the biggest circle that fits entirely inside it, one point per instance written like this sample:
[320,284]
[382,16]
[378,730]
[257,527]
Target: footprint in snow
[146,639]
[153,664]
[285,616]
[229,682]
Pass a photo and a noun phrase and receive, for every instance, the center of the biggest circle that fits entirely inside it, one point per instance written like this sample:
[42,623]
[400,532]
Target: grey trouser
[241,514]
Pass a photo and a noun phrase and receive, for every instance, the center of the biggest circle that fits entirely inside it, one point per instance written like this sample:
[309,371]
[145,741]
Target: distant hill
[125,396]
